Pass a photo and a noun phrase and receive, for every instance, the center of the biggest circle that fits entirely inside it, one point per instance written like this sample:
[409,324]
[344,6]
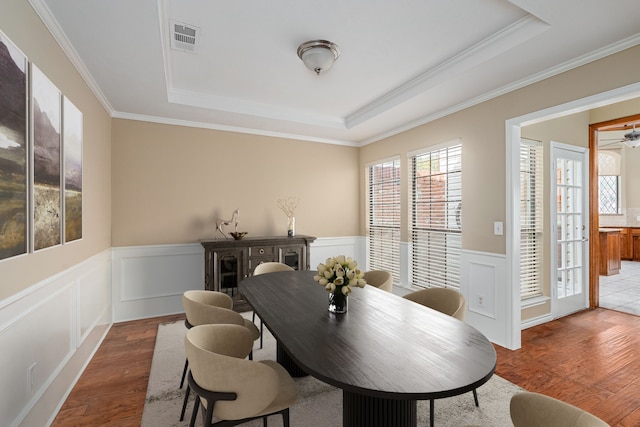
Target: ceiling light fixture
[318,55]
[632,139]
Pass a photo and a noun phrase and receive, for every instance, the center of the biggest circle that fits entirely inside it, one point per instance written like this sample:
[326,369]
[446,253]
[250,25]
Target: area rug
[318,405]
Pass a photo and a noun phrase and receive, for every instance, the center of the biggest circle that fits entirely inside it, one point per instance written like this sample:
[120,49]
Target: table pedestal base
[359,410]
[288,363]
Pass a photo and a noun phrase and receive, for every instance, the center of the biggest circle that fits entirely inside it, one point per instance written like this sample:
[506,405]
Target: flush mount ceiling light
[318,55]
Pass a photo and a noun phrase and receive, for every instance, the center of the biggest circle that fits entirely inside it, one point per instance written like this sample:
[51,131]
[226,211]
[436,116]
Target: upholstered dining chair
[263,268]
[537,410]
[447,301]
[231,388]
[380,279]
[210,307]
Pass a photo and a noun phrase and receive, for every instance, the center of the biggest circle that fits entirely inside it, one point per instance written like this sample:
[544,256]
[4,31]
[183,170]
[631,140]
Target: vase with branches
[288,205]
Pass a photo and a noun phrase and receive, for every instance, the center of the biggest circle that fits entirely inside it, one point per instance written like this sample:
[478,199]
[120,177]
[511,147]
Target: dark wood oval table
[385,353]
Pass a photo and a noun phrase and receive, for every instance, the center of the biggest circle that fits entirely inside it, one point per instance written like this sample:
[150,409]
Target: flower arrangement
[339,274]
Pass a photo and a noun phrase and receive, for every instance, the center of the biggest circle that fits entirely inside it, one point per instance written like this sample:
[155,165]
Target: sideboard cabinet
[227,262]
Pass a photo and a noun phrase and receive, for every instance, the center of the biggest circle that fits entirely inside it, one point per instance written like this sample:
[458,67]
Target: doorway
[620,291]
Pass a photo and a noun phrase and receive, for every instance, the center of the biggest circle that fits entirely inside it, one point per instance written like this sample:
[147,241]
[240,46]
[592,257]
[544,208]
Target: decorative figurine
[220,223]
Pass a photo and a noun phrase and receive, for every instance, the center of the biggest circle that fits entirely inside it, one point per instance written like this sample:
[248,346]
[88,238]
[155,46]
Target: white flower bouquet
[340,274]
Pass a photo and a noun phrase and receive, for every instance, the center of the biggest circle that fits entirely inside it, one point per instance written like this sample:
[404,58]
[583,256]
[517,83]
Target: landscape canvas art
[47,206]
[72,149]
[13,150]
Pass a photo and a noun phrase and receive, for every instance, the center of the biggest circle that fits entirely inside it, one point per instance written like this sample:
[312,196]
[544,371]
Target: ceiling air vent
[184,37]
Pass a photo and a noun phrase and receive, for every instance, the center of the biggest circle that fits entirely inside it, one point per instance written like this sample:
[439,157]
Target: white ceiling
[403,63]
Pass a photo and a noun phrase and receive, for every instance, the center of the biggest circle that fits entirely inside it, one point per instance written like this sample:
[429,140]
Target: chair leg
[184,371]
[194,414]
[264,422]
[285,417]
[431,414]
[253,319]
[261,330]
[185,402]
[475,397]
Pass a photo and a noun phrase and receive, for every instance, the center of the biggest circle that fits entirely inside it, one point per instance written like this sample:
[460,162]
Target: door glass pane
[570,227]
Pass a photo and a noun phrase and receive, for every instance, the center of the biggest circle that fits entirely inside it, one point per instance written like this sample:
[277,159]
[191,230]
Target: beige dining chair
[229,387]
[210,307]
[447,301]
[537,410]
[264,268]
[381,279]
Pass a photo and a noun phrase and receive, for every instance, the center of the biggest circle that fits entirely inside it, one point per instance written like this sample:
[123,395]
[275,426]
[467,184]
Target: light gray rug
[319,404]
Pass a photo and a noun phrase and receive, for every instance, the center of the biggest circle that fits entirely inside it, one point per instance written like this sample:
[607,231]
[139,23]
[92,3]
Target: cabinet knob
[261,251]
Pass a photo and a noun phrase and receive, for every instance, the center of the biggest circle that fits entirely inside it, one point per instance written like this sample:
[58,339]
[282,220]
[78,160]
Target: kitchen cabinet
[610,251]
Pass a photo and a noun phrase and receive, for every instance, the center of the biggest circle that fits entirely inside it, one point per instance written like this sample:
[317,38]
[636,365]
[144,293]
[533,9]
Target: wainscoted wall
[149,280]
[48,334]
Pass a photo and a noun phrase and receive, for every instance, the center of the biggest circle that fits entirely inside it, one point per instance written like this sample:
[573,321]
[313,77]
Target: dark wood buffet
[227,261]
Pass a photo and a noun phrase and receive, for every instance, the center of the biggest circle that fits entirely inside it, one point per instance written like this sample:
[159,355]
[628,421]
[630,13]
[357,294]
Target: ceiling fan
[631,139]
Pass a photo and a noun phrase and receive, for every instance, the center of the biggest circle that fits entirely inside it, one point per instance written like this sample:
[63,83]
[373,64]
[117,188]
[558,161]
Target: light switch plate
[498,228]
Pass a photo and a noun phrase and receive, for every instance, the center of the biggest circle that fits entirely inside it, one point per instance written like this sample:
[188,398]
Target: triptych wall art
[40,159]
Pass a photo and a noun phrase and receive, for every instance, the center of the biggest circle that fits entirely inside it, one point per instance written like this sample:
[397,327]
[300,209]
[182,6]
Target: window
[609,182]
[384,217]
[436,227]
[531,205]
[609,194]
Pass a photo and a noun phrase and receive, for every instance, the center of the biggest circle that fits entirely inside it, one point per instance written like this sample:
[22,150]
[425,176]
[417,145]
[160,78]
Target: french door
[570,227]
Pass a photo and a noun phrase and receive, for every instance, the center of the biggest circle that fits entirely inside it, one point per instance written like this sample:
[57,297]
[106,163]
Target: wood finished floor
[590,359]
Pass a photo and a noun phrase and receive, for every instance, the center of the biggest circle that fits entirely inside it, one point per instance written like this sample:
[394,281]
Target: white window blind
[384,217]
[436,229]
[531,230]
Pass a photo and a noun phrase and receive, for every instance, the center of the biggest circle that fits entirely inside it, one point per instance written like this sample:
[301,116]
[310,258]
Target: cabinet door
[228,269]
[614,253]
[636,244]
[626,244]
[294,256]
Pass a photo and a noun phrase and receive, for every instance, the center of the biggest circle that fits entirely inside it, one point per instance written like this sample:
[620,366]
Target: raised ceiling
[403,63]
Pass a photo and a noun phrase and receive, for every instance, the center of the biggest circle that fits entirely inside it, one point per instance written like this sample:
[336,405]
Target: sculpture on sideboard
[220,223]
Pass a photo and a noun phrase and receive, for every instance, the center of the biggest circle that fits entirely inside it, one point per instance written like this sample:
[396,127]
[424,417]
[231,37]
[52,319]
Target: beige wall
[482,131]
[19,22]
[170,183]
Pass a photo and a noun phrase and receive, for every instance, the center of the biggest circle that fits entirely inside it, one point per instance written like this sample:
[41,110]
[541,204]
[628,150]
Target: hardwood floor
[590,359]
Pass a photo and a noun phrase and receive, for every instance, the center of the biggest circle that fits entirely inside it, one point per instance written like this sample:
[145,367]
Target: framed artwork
[14,228]
[72,154]
[46,161]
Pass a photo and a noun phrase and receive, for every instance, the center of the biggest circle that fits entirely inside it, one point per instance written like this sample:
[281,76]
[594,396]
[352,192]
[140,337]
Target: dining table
[385,352]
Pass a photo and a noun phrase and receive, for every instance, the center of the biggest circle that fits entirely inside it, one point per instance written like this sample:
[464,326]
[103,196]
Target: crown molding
[46,16]
[237,129]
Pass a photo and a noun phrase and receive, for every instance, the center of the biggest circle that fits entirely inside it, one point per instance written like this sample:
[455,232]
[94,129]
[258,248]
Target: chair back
[537,410]
[216,354]
[271,267]
[208,307]
[444,300]
[380,279]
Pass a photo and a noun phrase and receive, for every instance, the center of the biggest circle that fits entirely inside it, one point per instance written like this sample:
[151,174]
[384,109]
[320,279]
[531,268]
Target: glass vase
[337,302]
[291,226]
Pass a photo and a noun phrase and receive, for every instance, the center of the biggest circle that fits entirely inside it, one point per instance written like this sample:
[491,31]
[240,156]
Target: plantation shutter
[384,217]
[531,205]
[436,229]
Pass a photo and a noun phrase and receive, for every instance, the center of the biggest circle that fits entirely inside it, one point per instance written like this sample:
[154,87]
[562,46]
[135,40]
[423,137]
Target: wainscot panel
[48,334]
[488,296]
